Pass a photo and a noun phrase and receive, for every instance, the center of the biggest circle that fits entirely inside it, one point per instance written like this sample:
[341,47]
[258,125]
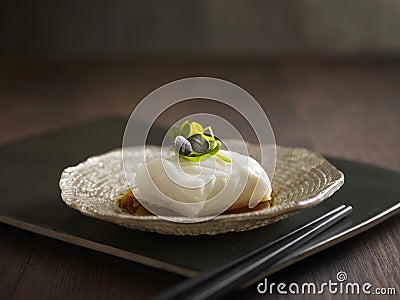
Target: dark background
[68,61]
[327,73]
[203,28]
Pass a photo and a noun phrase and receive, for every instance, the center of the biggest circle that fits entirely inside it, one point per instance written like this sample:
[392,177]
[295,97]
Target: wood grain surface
[344,108]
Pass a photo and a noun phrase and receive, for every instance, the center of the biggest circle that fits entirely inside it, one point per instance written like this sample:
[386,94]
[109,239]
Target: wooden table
[344,108]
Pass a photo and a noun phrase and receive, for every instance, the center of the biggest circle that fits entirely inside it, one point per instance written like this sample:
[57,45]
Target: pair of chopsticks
[220,281]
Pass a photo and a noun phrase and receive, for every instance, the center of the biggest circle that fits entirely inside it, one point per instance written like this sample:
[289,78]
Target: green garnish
[192,143]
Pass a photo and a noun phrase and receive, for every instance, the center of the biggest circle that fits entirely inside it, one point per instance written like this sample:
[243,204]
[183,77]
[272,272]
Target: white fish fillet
[201,189]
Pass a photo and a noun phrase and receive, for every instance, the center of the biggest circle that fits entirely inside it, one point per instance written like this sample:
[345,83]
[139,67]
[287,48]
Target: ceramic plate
[302,179]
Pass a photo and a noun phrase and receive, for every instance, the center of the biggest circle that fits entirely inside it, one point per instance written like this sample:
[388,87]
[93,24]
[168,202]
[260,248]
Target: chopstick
[216,283]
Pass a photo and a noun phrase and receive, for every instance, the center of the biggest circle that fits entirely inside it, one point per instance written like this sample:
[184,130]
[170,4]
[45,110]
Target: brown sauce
[128,203]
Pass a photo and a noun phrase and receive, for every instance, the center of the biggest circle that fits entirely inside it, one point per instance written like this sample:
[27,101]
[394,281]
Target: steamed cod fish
[209,187]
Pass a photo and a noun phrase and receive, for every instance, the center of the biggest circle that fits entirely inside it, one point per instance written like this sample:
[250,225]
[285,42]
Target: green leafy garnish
[192,143]
[196,128]
[184,129]
[173,133]
[223,158]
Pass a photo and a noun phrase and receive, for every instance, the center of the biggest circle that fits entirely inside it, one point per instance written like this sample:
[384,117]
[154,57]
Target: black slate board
[30,199]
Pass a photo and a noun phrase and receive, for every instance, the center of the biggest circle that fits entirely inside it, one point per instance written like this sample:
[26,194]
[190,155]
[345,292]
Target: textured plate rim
[281,209]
